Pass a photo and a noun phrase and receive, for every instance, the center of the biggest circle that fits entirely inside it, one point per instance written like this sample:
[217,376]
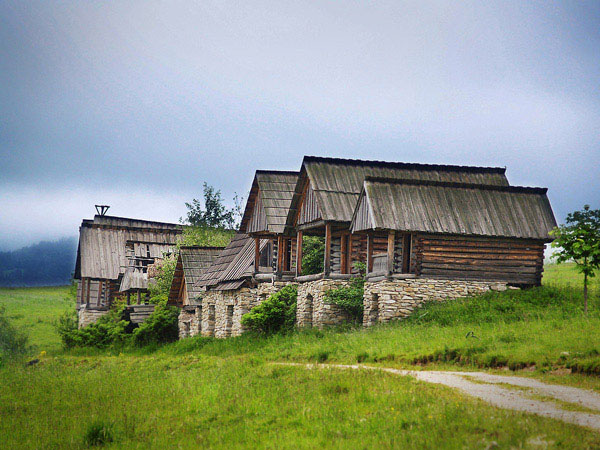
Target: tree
[579,241]
[213,213]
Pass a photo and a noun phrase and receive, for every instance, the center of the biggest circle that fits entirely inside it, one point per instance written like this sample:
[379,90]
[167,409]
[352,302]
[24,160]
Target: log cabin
[264,217]
[323,203]
[447,239]
[113,256]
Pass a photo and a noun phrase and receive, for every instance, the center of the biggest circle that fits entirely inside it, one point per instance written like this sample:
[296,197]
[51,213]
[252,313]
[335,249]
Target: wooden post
[327,259]
[256,254]
[280,254]
[139,297]
[128,297]
[369,253]
[344,252]
[390,252]
[349,265]
[299,253]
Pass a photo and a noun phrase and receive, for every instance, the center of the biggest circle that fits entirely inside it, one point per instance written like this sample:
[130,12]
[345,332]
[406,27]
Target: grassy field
[227,393]
[35,310]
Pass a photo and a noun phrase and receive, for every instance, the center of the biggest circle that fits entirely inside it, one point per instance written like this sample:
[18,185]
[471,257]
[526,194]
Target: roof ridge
[487,187]
[202,247]
[287,172]
[364,162]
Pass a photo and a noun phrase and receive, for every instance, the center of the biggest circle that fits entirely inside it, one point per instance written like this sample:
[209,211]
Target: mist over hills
[43,264]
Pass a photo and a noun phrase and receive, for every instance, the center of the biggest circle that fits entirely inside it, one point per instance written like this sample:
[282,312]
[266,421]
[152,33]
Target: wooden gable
[309,207]
[258,219]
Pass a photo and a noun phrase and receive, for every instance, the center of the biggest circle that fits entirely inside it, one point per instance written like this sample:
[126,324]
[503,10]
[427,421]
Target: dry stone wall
[313,311]
[190,322]
[395,299]
[222,311]
[88,316]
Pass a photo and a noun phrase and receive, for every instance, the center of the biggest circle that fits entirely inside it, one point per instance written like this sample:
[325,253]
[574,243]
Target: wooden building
[264,217]
[113,258]
[454,230]
[192,261]
[327,192]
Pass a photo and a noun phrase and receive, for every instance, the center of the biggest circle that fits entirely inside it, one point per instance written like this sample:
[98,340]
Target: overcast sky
[137,103]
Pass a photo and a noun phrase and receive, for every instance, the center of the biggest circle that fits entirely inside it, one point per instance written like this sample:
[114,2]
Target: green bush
[275,314]
[13,342]
[160,327]
[350,298]
[109,330]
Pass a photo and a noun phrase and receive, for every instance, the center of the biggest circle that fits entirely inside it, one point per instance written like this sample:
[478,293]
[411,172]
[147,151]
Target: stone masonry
[222,311]
[312,310]
[394,299]
[88,316]
[190,321]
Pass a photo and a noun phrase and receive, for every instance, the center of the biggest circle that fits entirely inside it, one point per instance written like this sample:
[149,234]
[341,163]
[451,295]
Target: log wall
[513,261]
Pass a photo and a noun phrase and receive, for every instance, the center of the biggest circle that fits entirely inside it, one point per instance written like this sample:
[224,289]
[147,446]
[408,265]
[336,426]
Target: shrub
[350,298]
[108,330]
[275,314]
[160,327]
[13,342]
[98,433]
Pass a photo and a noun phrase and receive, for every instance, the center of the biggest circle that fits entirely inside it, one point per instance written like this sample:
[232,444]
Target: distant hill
[41,264]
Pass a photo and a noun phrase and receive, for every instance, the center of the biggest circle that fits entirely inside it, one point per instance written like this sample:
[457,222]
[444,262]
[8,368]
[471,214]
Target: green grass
[213,393]
[196,401]
[34,310]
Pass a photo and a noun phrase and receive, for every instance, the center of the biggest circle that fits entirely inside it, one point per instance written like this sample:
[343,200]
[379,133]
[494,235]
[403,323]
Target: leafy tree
[579,241]
[212,213]
[313,253]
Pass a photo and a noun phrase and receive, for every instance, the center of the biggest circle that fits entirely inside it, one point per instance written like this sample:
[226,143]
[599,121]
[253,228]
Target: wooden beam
[139,297]
[280,254]
[344,252]
[299,254]
[327,258]
[369,253]
[390,251]
[256,254]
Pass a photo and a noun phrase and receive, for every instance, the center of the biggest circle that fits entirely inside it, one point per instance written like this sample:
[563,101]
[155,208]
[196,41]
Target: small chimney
[101,209]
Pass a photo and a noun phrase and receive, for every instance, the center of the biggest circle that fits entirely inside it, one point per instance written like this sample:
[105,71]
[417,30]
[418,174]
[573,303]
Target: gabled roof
[233,266]
[454,208]
[191,263]
[337,182]
[271,195]
[102,249]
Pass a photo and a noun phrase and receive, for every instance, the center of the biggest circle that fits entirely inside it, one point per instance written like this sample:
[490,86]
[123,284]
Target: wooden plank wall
[510,260]
[309,210]
[258,220]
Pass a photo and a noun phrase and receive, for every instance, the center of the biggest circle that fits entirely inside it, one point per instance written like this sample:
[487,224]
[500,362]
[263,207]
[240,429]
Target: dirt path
[485,386]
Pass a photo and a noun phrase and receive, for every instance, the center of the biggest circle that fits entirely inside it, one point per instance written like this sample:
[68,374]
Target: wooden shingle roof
[102,250]
[269,201]
[233,266]
[191,263]
[454,208]
[337,183]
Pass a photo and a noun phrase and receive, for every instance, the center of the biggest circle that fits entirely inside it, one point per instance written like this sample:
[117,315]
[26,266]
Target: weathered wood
[256,254]
[299,253]
[390,252]
[369,253]
[327,256]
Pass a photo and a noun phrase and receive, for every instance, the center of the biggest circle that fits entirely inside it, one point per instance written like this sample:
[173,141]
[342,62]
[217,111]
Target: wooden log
[327,258]
[299,253]
[390,251]
[369,253]
[256,254]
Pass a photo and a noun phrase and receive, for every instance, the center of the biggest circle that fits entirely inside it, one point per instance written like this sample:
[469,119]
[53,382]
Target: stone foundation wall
[222,311]
[89,316]
[394,299]
[190,322]
[312,311]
